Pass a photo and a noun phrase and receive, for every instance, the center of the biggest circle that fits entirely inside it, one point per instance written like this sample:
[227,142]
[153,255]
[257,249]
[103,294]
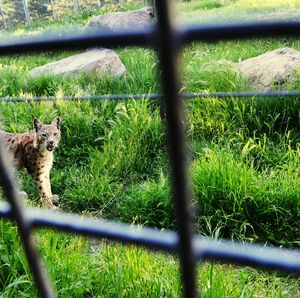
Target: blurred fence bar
[205,33]
[167,241]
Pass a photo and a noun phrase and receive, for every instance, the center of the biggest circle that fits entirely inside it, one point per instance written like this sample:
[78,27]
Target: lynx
[34,152]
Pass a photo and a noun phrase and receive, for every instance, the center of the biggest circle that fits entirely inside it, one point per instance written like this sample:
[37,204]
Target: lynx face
[48,136]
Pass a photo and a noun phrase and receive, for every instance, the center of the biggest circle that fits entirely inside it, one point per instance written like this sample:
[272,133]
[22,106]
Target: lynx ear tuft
[37,125]
[56,122]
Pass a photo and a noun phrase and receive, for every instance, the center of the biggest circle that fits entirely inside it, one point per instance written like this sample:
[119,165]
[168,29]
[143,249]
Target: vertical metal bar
[168,49]
[24,224]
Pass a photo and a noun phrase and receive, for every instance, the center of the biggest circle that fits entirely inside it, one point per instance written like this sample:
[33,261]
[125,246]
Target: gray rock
[99,61]
[128,21]
[272,69]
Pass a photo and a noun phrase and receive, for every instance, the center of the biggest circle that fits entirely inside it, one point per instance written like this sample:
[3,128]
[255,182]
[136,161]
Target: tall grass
[236,200]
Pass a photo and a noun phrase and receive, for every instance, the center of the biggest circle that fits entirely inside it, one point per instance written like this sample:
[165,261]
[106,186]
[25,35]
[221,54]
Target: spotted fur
[34,151]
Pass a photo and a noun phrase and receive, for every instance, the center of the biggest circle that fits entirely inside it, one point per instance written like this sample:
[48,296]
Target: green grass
[254,202]
[227,11]
[90,268]
[112,163]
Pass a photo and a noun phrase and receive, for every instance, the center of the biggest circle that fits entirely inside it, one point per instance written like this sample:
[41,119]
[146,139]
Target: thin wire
[152,96]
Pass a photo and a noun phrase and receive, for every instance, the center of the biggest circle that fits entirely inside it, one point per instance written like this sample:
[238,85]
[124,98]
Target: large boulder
[129,21]
[99,61]
[272,69]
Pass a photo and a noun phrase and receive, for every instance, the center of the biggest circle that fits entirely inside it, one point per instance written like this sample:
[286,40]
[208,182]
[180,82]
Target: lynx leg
[42,182]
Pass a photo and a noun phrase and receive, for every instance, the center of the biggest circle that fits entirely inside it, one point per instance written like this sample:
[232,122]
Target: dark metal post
[168,48]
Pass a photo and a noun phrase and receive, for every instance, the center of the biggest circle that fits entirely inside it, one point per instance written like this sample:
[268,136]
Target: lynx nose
[51,143]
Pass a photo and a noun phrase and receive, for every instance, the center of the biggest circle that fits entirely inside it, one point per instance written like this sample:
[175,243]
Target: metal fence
[191,249]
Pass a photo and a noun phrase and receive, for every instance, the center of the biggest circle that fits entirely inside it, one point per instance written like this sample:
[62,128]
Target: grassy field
[112,163]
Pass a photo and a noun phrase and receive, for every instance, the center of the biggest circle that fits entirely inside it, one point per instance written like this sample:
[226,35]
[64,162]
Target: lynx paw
[23,195]
[55,199]
[54,208]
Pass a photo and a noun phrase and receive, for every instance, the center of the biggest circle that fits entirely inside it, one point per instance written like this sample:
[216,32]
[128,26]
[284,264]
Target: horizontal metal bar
[151,238]
[77,41]
[246,94]
[148,37]
[98,228]
[211,33]
[205,248]
[248,254]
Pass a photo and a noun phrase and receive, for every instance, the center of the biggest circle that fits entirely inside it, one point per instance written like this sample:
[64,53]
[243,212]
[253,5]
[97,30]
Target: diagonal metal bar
[168,50]
[248,254]
[205,248]
[24,224]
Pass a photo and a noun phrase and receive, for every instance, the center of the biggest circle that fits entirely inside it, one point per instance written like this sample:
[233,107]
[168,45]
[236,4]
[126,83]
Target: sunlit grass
[226,11]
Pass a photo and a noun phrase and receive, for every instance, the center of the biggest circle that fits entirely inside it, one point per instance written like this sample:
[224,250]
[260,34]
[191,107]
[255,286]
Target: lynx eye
[44,135]
[55,134]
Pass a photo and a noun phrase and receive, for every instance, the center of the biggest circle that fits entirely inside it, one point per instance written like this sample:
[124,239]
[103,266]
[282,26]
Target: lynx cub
[34,151]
